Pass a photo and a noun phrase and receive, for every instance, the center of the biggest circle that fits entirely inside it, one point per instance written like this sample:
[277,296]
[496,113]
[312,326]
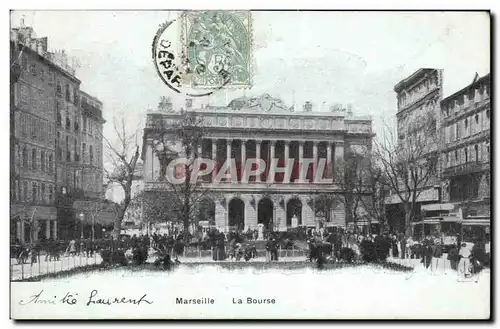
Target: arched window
[51,163]
[16,190]
[50,194]
[33,192]
[24,157]
[59,116]
[476,150]
[25,191]
[33,159]
[91,154]
[68,121]
[42,161]
[42,193]
[24,62]
[68,93]
[58,88]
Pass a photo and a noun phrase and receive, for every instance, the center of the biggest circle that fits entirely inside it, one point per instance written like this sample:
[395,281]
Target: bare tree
[409,162]
[156,207]
[372,191]
[350,178]
[32,223]
[324,203]
[122,154]
[95,209]
[185,197]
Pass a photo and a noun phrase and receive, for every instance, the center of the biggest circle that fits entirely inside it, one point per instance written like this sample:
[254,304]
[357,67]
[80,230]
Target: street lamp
[82,216]
[103,233]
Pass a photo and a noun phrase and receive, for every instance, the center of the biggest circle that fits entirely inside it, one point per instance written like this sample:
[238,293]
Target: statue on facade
[260,231]
[165,105]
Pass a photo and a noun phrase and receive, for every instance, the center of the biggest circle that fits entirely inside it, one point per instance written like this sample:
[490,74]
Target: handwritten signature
[74,298]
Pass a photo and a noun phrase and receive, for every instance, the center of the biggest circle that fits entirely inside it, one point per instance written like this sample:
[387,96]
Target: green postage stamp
[218,48]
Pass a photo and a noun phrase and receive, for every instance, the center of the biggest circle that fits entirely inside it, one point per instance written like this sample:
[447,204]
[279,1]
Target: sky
[322,57]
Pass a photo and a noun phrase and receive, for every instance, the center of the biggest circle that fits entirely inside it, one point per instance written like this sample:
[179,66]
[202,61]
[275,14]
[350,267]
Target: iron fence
[43,265]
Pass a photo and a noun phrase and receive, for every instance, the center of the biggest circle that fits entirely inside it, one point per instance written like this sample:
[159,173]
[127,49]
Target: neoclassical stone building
[263,127]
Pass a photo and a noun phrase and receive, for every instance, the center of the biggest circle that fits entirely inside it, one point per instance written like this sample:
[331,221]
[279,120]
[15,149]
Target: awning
[452,219]
[437,207]
[437,220]
[365,222]
[476,222]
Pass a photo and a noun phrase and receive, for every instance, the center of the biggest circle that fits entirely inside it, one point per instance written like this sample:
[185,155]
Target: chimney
[307,106]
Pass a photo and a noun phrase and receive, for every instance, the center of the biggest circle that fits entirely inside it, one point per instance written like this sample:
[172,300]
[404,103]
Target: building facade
[33,190]
[47,139]
[418,99]
[461,187]
[264,128]
[466,170]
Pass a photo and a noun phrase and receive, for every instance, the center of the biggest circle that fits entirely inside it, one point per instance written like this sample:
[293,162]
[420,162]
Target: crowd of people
[333,244]
[349,247]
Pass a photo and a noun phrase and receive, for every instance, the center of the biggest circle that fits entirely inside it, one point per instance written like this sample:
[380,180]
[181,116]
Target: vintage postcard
[236,164]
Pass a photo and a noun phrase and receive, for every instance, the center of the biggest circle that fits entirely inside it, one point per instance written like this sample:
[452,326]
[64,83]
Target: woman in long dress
[72,247]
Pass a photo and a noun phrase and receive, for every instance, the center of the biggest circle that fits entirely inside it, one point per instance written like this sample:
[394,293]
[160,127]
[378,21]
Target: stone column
[315,159]
[243,155]
[54,229]
[220,214]
[257,155]
[328,160]
[200,149]
[287,155]
[22,232]
[19,230]
[339,155]
[228,148]
[47,229]
[301,156]
[272,145]
[214,157]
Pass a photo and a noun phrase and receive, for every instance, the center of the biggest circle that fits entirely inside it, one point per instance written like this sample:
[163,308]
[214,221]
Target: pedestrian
[409,246]
[464,263]
[89,248]
[394,245]
[72,248]
[269,248]
[427,253]
[437,253]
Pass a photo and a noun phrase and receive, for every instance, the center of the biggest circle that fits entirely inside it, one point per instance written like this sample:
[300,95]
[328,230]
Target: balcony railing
[91,110]
[484,134]
[469,106]
[465,168]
